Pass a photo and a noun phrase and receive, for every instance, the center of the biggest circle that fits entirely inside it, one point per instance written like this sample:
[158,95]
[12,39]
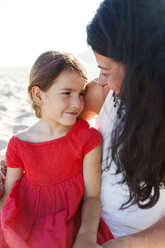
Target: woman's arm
[90,214]
[152,237]
[94,99]
[13,174]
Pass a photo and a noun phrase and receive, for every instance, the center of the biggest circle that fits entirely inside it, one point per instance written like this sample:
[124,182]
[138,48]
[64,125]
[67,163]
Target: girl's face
[111,72]
[64,100]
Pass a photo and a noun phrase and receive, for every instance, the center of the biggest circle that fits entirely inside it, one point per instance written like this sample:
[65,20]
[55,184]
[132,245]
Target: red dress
[43,208]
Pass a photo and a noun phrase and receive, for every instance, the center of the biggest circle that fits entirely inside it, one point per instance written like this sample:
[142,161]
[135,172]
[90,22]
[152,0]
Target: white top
[113,194]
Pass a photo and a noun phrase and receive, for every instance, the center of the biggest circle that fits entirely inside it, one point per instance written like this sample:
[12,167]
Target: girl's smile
[72,113]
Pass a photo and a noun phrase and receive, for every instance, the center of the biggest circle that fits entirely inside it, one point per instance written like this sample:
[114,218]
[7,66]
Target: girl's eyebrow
[67,89]
[70,89]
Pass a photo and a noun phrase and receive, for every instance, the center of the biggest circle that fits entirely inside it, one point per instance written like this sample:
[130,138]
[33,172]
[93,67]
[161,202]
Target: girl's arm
[152,237]
[94,99]
[13,174]
[90,214]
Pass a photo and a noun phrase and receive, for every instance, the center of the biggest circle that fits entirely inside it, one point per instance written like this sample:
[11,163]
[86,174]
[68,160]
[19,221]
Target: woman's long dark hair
[132,32]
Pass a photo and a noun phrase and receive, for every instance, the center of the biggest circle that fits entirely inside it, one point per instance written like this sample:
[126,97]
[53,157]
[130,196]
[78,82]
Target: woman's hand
[151,237]
[116,243]
[94,98]
[85,240]
[3,170]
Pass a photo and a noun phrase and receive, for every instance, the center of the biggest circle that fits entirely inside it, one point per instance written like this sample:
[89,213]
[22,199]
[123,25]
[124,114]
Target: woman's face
[111,72]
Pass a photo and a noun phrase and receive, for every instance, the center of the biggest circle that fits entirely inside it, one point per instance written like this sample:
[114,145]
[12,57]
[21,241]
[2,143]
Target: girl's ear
[36,94]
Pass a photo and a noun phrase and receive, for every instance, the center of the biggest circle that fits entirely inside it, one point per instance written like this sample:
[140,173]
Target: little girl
[53,168]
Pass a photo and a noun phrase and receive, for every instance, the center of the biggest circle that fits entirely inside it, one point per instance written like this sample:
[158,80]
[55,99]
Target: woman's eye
[105,75]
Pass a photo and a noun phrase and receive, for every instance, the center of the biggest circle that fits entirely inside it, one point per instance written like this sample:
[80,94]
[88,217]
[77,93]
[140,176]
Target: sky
[30,27]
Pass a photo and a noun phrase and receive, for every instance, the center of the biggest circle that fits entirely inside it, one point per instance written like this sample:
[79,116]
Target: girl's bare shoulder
[27,134]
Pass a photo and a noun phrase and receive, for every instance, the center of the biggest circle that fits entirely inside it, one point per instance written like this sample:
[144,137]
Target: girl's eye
[82,94]
[66,93]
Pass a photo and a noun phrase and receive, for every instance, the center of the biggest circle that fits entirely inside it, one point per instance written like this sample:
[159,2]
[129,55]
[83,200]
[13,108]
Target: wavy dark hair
[132,32]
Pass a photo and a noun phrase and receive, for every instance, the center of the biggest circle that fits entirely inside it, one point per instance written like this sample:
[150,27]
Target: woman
[127,38]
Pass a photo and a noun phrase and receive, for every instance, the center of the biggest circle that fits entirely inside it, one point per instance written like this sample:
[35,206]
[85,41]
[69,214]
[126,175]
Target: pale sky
[30,27]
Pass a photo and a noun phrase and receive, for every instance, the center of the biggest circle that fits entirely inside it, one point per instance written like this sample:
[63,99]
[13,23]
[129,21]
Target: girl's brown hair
[47,68]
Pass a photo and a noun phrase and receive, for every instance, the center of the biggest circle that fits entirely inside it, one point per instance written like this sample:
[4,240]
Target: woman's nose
[101,82]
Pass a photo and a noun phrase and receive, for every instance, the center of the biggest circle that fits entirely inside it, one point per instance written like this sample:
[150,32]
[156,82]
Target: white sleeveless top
[113,194]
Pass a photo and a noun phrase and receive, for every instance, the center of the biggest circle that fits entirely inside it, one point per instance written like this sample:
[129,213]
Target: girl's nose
[75,103]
